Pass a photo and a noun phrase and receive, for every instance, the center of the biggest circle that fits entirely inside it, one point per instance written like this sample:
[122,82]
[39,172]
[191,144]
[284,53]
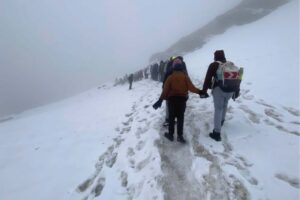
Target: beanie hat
[177,65]
[220,56]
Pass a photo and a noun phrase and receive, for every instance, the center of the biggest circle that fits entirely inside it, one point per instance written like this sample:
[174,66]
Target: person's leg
[172,108]
[167,112]
[218,105]
[227,97]
[180,116]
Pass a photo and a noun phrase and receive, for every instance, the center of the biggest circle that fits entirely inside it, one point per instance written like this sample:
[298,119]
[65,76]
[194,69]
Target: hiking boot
[169,137]
[215,135]
[181,140]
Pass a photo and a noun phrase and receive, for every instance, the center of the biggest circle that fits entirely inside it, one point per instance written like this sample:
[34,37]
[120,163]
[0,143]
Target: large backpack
[229,76]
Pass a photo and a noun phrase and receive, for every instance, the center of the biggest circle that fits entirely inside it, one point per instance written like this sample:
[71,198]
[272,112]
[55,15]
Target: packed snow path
[200,169]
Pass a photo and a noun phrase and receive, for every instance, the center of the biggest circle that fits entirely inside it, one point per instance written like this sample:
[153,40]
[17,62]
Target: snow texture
[108,143]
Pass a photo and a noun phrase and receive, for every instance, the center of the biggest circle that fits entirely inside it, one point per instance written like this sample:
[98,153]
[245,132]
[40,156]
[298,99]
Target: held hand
[203,94]
[236,95]
[157,104]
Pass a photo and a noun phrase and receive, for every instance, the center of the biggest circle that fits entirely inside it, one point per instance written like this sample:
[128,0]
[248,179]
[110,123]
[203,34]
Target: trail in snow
[225,174]
[176,161]
[179,182]
[127,145]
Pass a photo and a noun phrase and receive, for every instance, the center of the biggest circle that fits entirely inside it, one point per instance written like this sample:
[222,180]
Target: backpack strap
[222,74]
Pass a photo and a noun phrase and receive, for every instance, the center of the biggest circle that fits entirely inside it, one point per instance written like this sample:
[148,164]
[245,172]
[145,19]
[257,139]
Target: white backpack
[229,76]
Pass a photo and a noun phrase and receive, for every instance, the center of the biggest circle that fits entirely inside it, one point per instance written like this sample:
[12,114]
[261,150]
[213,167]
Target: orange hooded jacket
[178,84]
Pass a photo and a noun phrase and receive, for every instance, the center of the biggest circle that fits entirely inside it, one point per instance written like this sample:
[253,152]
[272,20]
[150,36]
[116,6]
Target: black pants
[176,110]
[130,85]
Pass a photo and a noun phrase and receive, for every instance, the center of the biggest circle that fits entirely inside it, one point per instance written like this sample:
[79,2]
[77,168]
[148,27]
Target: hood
[220,56]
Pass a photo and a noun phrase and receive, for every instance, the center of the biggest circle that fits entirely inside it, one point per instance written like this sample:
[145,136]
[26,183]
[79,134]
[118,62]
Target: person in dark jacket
[175,90]
[168,72]
[169,68]
[130,80]
[220,97]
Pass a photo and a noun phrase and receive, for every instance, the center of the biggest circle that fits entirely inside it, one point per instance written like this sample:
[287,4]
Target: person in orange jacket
[175,90]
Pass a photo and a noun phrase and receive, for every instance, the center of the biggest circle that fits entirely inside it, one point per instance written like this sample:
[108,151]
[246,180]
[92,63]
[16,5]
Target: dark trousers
[130,85]
[176,110]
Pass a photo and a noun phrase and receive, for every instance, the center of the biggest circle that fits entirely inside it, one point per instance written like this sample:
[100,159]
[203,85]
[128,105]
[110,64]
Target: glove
[203,94]
[236,95]
[157,104]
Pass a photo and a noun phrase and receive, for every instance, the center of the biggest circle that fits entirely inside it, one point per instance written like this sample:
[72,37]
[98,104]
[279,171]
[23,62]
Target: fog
[53,49]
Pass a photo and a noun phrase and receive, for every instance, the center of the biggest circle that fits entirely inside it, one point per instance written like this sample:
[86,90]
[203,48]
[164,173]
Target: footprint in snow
[141,130]
[128,114]
[132,163]
[294,182]
[252,116]
[117,129]
[97,190]
[118,141]
[125,130]
[142,120]
[281,128]
[243,171]
[140,145]
[293,111]
[273,114]
[128,121]
[247,97]
[295,122]
[111,159]
[262,102]
[130,152]
[142,164]
[124,179]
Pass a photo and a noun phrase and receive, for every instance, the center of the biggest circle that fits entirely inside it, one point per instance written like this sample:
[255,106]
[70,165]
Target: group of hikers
[156,71]
[136,76]
[222,77]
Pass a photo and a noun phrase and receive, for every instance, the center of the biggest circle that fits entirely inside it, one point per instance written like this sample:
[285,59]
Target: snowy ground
[107,143]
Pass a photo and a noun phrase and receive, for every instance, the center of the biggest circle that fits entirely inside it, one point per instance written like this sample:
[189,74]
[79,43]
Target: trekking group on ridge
[155,71]
[222,77]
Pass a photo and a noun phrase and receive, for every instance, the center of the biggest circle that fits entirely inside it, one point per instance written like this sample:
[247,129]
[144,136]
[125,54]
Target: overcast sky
[50,49]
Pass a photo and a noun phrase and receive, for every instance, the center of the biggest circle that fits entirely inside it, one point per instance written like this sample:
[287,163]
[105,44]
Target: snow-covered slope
[269,52]
[107,143]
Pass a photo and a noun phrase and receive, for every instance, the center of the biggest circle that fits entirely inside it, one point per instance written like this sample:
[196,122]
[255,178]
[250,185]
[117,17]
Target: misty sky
[50,49]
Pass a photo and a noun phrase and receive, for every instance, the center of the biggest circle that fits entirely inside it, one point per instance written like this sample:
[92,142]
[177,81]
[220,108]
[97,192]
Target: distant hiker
[155,70]
[161,71]
[146,72]
[223,78]
[130,80]
[175,90]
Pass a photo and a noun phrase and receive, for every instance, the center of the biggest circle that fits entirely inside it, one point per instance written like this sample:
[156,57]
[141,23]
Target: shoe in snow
[215,135]
[181,140]
[169,136]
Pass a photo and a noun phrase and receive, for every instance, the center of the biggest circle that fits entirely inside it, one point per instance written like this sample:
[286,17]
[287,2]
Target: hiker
[223,78]
[168,72]
[130,79]
[175,90]
[160,71]
[146,73]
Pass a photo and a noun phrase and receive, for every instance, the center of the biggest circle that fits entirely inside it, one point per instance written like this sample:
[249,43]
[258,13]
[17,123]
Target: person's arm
[166,88]
[185,69]
[211,71]
[191,86]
